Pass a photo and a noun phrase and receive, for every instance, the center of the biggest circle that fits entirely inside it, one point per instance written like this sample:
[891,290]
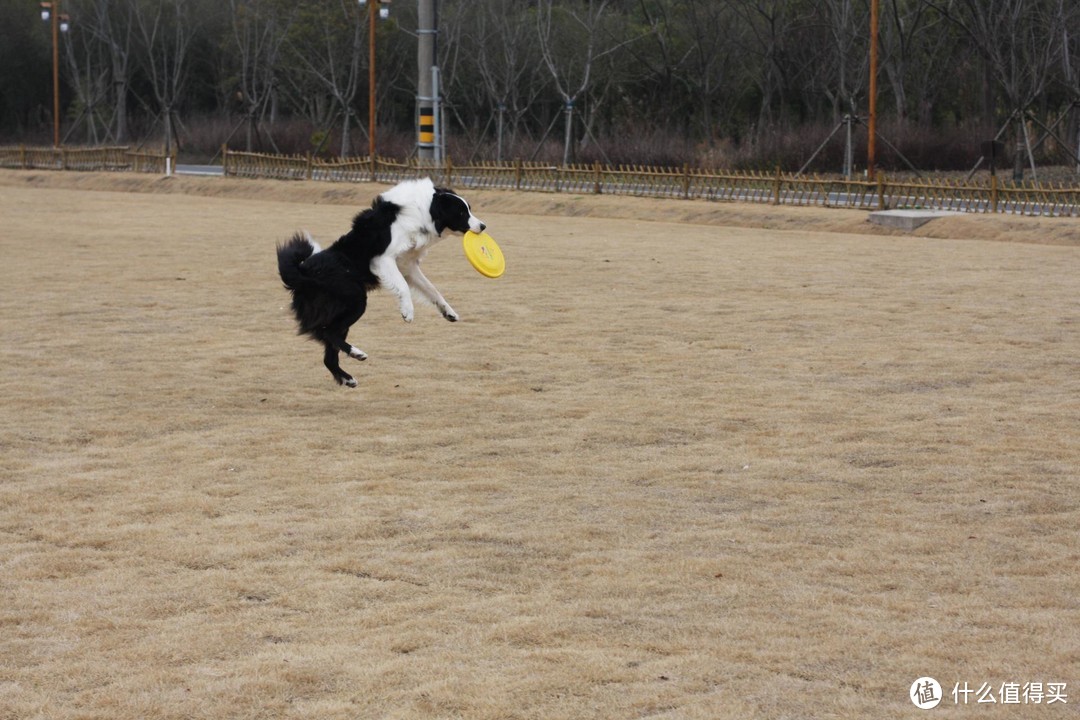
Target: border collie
[384,248]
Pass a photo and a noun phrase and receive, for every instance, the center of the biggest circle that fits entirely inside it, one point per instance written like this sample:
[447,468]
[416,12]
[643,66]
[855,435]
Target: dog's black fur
[329,287]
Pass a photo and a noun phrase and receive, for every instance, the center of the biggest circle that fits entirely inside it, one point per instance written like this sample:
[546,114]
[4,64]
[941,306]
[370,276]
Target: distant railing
[776,188]
[108,159]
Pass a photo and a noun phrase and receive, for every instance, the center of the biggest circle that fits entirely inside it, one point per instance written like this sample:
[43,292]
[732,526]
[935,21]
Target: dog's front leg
[416,278]
[390,277]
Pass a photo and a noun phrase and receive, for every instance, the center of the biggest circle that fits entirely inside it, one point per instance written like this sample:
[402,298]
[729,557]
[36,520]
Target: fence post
[596,169]
[880,190]
[993,193]
[776,187]
[63,158]
[686,181]
[22,156]
[309,166]
[517,174]
[449,172]
[225,159]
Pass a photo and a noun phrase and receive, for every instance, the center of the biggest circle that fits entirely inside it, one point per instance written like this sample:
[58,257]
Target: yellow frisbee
[484,254]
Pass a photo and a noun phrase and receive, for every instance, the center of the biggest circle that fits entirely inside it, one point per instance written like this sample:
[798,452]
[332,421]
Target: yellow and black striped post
[426,127]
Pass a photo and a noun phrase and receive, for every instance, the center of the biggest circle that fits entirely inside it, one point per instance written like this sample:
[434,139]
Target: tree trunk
[120,110]
[250,128]
[345,133]
[569,138]
[1021,150]
[168,131]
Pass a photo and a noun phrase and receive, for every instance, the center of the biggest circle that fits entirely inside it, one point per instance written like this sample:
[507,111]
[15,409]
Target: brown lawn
[684,460]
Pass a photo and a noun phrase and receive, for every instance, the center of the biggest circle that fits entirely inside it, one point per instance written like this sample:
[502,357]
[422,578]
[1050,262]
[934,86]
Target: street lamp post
[50,11]
[379,7]
[871,140]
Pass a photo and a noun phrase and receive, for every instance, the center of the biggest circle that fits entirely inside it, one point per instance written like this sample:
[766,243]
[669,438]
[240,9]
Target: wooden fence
[109,159]
[776,188]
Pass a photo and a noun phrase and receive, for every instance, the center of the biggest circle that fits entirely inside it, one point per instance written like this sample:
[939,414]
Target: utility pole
[50,13]
[374,8]
[371,81]
[56,71]
[871,140]
[427,93]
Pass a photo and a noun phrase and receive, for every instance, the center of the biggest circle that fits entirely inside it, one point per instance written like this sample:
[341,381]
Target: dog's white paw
[358,354]
[350,382]
[407,316]
[449,314]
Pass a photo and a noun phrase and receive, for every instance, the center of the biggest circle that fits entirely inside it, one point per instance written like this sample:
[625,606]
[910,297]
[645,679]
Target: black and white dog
[384,248]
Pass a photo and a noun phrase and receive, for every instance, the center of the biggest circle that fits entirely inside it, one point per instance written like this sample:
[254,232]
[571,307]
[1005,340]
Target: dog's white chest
[416,238]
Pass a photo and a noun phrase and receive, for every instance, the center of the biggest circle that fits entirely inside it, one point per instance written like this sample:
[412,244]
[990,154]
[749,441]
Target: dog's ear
[438,210]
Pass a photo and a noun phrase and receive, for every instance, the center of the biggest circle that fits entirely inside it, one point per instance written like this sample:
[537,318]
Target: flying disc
[484,254]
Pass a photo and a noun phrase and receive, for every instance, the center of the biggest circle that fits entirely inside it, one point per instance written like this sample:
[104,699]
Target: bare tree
[1019,42]
[844,60]
[574,38]
[259,30]
[769,27]
[687,69]
[687,62]
[912,41]
[1069,22]
[110,23]
[503,69]
[712,63]
[166,29]
[328,42]
[88,75]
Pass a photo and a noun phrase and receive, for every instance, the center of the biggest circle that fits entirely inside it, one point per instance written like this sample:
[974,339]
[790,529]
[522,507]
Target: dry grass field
[683,460]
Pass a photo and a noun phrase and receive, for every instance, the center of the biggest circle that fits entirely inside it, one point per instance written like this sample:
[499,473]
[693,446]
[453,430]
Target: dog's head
[449,211]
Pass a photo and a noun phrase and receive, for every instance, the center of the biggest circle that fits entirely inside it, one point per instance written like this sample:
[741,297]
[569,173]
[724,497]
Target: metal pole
[426,95]
[499,146]
[436,87]
[848,121]
[821,147]
[56,71]
[871,148]
[372,10]
[1076,106]
[569,111]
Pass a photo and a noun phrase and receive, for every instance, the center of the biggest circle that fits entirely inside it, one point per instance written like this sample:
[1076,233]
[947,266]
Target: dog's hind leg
[341,344]
[330,359]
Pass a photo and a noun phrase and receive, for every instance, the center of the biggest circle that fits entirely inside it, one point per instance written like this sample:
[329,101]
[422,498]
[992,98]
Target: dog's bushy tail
[289,257]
